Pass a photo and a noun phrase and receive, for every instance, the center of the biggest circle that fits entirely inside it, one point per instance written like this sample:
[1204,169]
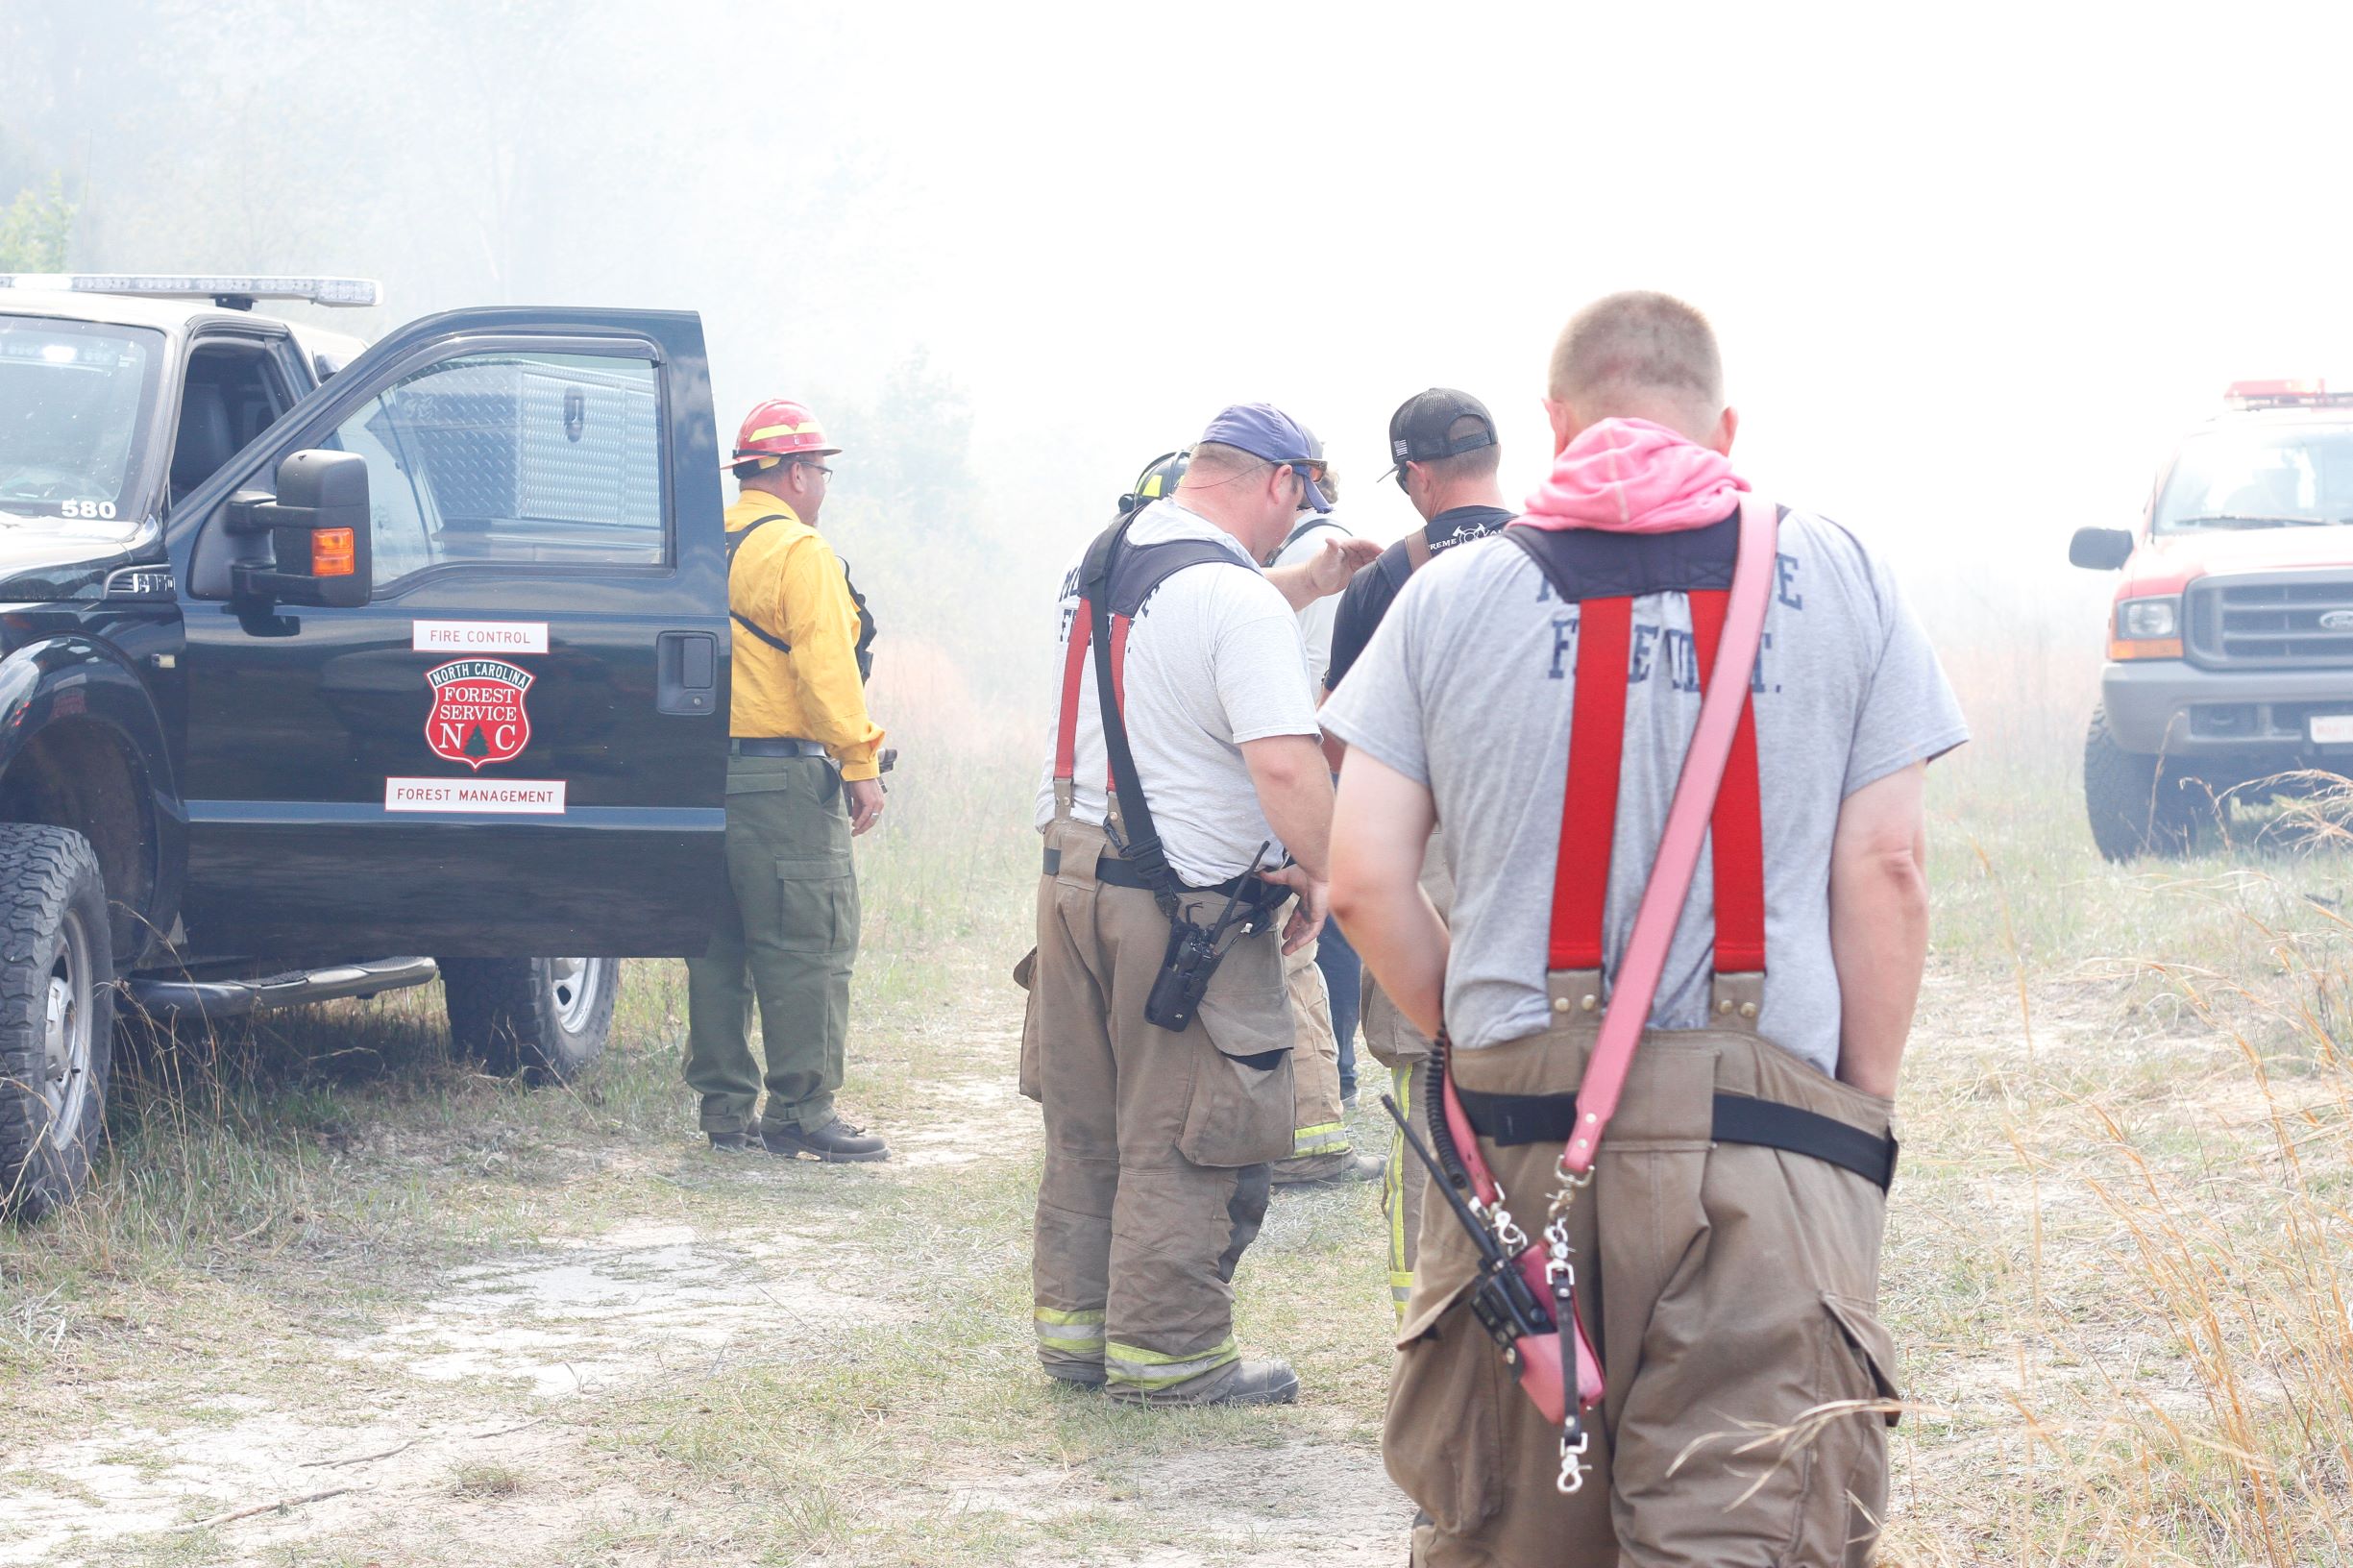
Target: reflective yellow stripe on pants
[1149,1369]
[1071,1334]
[1393,1194]
[1324,1138]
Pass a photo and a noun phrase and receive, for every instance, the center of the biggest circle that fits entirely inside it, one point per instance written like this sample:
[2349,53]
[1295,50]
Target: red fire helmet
[778,427]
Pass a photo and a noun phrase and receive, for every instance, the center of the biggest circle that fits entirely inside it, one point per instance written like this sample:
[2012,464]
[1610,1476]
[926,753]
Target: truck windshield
[2283,477]
[76,403]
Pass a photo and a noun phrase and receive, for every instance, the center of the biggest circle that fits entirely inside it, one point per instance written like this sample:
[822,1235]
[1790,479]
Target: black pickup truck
[321,678]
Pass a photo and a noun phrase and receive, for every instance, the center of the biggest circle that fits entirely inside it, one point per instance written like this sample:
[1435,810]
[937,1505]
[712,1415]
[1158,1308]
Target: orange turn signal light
[334,552]
[2144,647]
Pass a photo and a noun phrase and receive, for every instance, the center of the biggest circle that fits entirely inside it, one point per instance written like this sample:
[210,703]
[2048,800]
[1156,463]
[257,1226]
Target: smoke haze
[1972,268]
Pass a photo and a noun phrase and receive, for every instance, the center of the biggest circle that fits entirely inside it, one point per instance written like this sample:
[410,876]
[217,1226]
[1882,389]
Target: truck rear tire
[57,1016]
[2137,805]
[544,1017]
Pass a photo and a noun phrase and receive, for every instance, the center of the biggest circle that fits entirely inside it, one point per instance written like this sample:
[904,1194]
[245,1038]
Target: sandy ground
[493,1411]
[472,1428]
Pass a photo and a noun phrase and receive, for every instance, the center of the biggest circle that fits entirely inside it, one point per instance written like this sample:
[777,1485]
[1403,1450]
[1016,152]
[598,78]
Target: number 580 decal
[86,508]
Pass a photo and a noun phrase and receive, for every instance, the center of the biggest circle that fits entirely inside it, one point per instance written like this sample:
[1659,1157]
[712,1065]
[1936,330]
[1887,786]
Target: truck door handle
[686,672]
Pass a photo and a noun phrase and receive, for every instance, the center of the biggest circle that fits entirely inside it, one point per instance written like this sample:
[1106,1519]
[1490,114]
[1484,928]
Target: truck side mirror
[2102,549]
[317,526]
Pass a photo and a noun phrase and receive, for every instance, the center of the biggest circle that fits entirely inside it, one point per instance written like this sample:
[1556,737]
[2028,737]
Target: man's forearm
[1377,845]
[1403,944]
[1880,946]
[1296,584]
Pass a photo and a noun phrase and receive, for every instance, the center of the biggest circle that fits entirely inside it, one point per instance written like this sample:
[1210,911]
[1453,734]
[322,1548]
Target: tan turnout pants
[1320,1143]
[1156,1144]
[1731,1295]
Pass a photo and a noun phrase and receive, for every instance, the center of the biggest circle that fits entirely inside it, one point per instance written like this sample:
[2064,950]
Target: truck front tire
[545,1017]
[2137,805]
[57,1016]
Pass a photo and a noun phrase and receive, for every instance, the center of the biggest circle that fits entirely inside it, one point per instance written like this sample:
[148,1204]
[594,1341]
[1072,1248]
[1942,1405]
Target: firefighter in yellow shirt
[802,780]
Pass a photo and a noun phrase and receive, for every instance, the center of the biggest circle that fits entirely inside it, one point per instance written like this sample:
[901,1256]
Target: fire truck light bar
[336,291]
[2303,394]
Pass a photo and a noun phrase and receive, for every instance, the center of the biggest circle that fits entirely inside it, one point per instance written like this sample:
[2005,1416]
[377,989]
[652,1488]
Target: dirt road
[636,1387]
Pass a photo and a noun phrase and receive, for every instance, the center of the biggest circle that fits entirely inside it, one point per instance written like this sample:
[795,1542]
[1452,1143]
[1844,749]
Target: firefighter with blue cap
[1185,805]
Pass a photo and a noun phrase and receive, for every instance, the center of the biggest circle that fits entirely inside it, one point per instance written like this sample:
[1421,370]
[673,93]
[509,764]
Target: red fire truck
[2230,641]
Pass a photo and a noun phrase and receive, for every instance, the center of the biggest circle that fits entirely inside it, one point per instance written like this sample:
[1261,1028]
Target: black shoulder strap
[1143,848]
[865,626]
[1319,521]
[1142,569]
[866,617]
[1115,579]
[735,542]
[1118,580]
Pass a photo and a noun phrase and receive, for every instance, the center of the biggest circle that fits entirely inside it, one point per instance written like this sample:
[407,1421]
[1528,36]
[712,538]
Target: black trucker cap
[1418,430]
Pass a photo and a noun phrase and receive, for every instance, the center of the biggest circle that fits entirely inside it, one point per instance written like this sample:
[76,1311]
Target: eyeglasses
[1401,477]
[820,467]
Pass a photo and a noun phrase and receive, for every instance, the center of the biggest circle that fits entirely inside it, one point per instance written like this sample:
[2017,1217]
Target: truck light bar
[2297,394]
[231,291]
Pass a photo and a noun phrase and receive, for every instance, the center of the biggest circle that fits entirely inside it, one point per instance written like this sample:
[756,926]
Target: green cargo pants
[788,934]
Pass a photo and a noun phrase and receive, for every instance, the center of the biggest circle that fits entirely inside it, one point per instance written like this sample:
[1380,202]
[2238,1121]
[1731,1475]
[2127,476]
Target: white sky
[1972,269]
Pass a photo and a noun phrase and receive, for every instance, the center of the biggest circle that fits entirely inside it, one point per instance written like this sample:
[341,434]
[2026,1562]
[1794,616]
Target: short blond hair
[1635,348]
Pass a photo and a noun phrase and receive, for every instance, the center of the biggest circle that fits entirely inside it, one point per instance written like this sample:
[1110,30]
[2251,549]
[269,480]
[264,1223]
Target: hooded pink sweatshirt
[1629,475]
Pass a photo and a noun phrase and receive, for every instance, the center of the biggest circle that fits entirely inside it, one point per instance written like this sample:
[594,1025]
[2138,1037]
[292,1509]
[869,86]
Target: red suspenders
[1716,792]
[1073,672]
[1066,731]
[1589,808]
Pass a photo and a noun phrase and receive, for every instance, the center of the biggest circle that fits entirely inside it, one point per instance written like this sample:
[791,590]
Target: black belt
[1112,872]
[1511,1119]
[774,745]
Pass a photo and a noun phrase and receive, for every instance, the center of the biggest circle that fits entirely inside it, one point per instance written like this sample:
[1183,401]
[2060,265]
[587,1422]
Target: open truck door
[456,651]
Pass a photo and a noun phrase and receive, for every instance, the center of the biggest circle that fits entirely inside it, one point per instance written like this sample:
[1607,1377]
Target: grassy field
[449,1320]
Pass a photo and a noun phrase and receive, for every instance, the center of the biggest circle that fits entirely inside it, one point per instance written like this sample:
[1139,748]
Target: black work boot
[1088,1378]
[1270,1382]
[737,1141]
[836,1143]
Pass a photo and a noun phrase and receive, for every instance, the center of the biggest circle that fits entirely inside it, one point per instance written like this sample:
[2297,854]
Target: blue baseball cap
[1263,431]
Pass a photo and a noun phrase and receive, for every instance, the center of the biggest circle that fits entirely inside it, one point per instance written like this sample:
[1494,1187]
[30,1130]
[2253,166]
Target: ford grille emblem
[2337,621]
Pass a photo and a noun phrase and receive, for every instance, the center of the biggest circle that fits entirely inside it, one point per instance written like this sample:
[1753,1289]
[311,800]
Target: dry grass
[2117,1253]
[2116,1260]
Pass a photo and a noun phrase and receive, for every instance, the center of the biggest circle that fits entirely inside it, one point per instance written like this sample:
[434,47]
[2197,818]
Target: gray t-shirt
[1467,688]
[1214,659]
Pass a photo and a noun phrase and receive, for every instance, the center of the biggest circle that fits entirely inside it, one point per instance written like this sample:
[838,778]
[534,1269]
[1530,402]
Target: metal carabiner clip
[1573,1461]
[1507,1229]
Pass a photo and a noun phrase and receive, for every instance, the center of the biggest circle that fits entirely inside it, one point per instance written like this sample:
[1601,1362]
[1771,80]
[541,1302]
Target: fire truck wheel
[2136,807]
[57,1016]
[544,1017]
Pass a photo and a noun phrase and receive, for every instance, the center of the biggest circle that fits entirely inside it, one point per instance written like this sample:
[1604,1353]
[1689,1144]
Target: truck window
[499,458]
[234,392]
[75,400]
[2260,477]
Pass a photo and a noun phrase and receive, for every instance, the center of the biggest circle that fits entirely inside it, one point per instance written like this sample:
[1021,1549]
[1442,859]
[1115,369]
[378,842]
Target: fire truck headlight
[2142,619]
[2147,628]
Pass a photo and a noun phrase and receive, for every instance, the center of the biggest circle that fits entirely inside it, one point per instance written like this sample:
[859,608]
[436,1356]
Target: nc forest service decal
[478,714]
